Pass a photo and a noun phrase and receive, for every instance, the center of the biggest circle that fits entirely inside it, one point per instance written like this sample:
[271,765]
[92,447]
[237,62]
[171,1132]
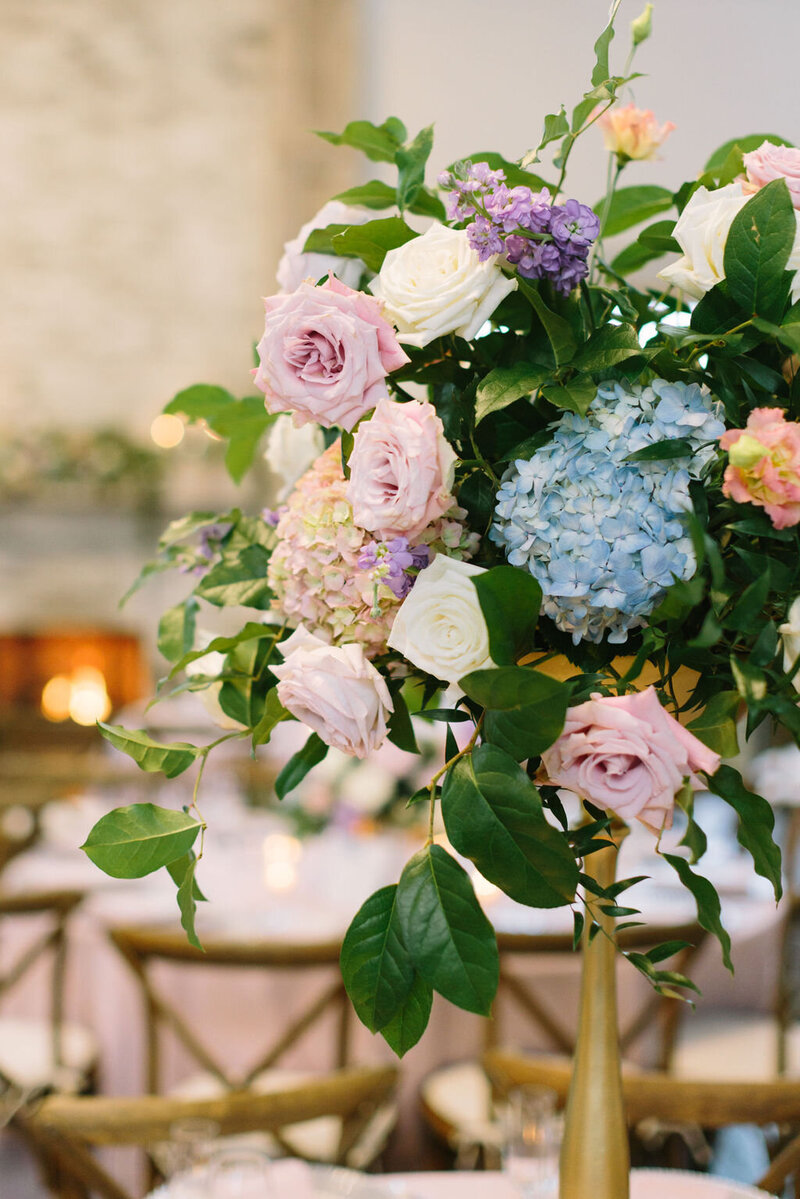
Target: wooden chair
[64,1130]
[50,1052]
[144,949]
[655,1095]
[456,1100]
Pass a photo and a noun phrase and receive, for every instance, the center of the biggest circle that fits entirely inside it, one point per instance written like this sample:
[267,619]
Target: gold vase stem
[595,1160]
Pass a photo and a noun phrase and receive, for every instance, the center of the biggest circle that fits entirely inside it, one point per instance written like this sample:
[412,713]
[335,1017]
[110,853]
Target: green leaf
[320,241]
[659,451]
[374,194]
[247,682]
[204,401]
[556,126]
[694,838]
[371,242]
[609,346]
[376,968]
[633,258]
[508,687]
[707,900]
[788,334]
[239,578]
[134,841]
[559,331]
[410,1021]
[749,609]
[379,142]
[576,396]
[401,730]
[274,712]
[757,250]
[243,424]
[601,72]
[510,600]
[450,941]
[756,824]
[527,709]
[182,873]
[494,817]
[176,629]
[253,630]
[299,765]
[631,205]
[170,759]
[716,725]
[658,237]
[505,384]
[745,144]
[410,162]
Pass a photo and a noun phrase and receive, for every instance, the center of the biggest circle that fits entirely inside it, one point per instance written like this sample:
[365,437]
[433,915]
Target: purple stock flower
[574,224]
[394,563]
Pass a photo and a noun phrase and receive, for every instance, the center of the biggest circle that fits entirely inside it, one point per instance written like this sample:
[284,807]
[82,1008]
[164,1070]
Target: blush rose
[325,354]
[336,691]
[627,754]
[401,470]
[771,162]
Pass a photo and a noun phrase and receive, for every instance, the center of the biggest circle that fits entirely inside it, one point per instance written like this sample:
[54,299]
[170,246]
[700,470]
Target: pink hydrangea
[315,572]
[764,465]
[771,162]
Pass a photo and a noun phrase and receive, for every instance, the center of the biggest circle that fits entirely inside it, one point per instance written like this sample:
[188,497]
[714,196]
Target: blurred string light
[167,431]
[80,696]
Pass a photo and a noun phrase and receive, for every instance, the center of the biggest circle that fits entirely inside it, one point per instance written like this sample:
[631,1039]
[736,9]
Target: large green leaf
[243,424]
[508,687]
[716,725]
[756,824]
[450,941]
[243,693]
[134,841]
[274,712]
[170,759]
[505,384]
[757,250]
[374,194]
[239,578]
[410,1021]
[203,401]
[376,968]
[410,160]
[494,817]
[631,205]
[609,346]
[183,875]
[559,331]
[510,600]
[707,900]
[253,630]
[576,396]
[372,241]
[299,765]
[176,629]
[378,142]
[751,142]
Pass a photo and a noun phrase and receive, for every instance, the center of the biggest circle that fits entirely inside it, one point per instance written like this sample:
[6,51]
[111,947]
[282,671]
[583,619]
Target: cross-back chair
[456,1099]
[46,1052]
[655,1095]
[65,1131]
[317,1004]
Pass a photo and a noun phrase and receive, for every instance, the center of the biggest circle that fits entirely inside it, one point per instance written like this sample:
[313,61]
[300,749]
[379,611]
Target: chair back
[64,1130]
[660,1096]
[143,949]
[50,943]
[526,993]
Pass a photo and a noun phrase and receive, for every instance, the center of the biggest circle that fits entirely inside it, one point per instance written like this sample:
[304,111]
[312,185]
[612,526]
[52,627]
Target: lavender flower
[541,239]
[394,563]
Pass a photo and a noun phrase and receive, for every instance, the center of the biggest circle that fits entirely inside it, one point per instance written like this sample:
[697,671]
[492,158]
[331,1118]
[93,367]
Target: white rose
[295,266]
[440,626]
[336,691]
[210,664]
[291,451]
[436,284]
[702,231]
[790,637]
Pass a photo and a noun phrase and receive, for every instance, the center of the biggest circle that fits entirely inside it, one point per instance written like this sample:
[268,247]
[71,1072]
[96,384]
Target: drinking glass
[183,1158]
[532,1140]
[239,1173]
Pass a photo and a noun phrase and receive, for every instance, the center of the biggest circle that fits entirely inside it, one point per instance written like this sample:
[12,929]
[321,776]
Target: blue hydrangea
[604,537]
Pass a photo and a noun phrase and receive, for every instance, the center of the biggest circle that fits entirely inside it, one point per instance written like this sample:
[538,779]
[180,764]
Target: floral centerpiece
[548,506]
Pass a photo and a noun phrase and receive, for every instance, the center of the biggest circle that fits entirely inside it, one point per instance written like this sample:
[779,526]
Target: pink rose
[336,691]
[770,162]
[627,754]
[764,465]
[401,470]
[325,354]
[631,132]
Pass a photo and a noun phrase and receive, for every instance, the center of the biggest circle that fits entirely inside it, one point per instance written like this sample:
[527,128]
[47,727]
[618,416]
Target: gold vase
[595,1161]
